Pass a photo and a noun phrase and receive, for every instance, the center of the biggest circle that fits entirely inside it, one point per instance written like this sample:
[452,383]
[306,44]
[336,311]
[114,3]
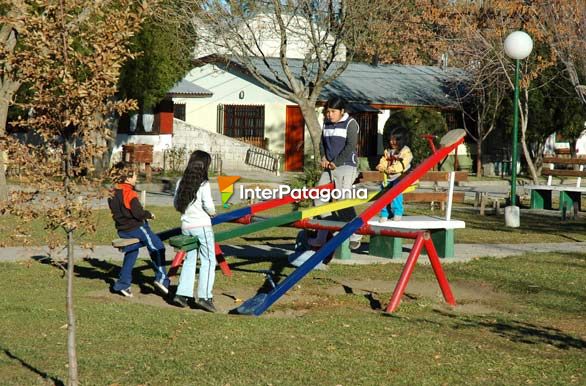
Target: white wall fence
[172,152]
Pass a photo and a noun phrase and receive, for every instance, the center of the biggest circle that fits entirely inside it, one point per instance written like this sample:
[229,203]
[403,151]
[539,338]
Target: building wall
[233,152]
[231,89]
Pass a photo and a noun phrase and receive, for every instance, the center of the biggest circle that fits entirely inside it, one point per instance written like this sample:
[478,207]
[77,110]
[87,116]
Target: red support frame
[177,260]
[422,240]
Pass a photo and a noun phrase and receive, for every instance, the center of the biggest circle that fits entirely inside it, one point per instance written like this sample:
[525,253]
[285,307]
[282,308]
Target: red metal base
[422,240]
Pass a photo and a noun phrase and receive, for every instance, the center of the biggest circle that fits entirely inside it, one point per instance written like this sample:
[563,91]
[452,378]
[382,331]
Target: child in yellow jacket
[395,161]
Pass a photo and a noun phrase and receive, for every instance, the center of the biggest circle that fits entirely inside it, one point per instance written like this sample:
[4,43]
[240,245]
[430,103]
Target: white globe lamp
[518,45]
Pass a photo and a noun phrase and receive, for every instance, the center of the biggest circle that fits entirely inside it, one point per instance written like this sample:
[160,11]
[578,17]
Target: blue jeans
[396,206]
[156,249]
[207,267]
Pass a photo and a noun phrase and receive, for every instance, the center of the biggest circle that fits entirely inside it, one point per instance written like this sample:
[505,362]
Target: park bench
[441,229]
[439,195]
[569,195]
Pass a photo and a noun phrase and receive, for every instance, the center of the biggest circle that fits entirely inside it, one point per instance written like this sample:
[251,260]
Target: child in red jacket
[130,219]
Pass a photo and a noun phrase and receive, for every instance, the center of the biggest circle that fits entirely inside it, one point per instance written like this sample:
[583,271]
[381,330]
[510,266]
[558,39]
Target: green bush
[309,178]
[418,121]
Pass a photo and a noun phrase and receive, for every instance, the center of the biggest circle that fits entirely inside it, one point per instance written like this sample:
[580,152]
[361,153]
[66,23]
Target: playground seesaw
[303,219]
[262,301]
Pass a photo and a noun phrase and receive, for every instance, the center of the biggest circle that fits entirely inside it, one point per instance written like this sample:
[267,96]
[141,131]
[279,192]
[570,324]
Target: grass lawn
[518,321]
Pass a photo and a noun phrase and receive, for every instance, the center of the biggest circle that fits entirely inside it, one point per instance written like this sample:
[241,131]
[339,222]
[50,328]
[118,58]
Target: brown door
[294,129]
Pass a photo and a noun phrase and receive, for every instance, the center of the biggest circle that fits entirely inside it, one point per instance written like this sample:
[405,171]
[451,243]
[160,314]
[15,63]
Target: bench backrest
[553,172]
[435,176]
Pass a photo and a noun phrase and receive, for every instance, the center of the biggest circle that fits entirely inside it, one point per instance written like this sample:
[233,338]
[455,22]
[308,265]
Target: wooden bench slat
[435,176]
[432,196]
[121,243]
[563,173]
[557,188]
[444,176]
[564,161]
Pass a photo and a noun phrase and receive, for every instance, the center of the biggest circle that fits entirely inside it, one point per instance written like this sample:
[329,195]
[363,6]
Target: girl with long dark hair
[193,199]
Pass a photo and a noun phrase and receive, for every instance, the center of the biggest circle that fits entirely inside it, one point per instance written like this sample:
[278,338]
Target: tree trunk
[9,87]
[524,120]
[313,126]
[479,156]
[3,119]
[71,346]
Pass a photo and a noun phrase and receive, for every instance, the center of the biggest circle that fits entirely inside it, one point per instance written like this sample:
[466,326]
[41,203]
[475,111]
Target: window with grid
[244,121]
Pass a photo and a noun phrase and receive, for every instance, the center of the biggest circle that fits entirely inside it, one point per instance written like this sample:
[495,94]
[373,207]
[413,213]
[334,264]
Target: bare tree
[481,29]
[565,22]
[479,103]
[69,54]
[322,33]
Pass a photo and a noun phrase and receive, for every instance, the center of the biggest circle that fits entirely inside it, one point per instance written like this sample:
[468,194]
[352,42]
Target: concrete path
[464,252]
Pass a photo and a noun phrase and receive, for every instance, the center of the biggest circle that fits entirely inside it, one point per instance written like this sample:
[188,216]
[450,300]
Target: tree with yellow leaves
[69,54]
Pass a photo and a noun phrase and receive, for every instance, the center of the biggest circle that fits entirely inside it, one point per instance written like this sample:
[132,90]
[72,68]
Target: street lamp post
[518,46]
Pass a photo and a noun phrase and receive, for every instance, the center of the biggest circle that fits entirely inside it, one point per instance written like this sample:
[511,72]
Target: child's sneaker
[162,287]
[383,219]
[127,292]
[397,217]
[206,304]
[181,301]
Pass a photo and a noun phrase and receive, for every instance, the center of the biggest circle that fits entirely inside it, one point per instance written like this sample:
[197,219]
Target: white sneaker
[126,292]
[397,217]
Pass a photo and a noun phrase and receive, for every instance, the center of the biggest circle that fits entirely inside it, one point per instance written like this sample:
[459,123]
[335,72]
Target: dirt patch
[472,298]
[296,302]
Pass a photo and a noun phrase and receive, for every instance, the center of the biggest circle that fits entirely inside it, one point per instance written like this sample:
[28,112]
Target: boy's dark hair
[337,103]
[194,175]
[401,135]
[122,171]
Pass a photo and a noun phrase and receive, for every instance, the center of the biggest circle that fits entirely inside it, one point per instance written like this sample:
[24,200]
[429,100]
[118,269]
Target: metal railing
[262,159]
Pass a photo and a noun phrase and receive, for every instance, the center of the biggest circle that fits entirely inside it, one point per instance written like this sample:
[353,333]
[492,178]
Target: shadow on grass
[272,276]
[533,222]
[108,272]
[27,366]
[520,332]
[103,270]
